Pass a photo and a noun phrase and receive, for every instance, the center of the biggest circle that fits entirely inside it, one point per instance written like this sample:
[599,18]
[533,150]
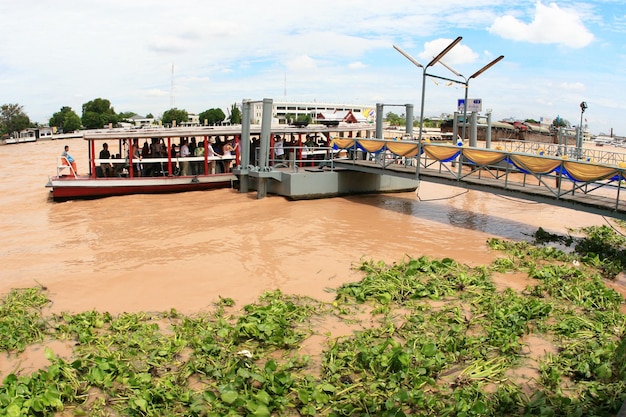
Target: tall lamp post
[425,74]
[466,83]
[579,145]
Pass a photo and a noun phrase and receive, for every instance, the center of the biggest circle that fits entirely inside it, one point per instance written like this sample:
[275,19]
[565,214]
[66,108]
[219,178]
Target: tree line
[99,113]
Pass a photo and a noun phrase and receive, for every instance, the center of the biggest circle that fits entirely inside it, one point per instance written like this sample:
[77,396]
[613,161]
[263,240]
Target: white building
[139,121]
[281,109]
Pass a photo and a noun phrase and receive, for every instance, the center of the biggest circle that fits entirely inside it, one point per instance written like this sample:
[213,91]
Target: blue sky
[557,54]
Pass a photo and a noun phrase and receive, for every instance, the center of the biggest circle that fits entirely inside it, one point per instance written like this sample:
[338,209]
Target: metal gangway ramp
[578,182]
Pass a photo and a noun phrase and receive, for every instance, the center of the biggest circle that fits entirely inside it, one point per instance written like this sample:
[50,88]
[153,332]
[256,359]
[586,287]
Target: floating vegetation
[430,337]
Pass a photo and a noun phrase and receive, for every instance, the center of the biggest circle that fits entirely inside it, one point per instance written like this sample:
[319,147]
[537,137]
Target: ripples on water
[155,252]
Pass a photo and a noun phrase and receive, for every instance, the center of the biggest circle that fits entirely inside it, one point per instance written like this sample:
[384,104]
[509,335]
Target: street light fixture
[466,83]
[425,74]
[409,57]
[579,145]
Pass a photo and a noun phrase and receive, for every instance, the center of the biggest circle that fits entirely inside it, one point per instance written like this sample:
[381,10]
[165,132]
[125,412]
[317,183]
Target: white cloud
[550,25]
[168,44]
[302,63]
[157,93]
[357,65]
[460,54]
[572,87]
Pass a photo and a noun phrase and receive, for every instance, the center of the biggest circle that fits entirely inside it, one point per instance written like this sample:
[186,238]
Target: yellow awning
[342,143]
[481,157]
[403,149]
[441,153]
[588,172]
[371,145]
[536,164]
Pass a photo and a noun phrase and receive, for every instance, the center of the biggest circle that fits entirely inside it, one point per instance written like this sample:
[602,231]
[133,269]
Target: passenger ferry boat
[159,170]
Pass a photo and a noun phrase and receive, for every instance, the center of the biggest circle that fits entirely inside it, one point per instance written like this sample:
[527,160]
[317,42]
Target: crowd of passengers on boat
[151,157]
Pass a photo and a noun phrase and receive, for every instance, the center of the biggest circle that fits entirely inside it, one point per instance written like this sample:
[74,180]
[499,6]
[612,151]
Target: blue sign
[473,105]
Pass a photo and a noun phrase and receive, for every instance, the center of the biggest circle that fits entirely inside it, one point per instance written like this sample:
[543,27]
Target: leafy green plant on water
[440,341]
[523,256]
[601,247]
[507,317]
[275,321]
[541,237]
[604,248]
[21,321]
[414,279]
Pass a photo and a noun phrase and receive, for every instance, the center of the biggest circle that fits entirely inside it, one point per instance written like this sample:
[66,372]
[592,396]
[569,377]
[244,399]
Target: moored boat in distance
[11,141]
[603,140]
[147,161]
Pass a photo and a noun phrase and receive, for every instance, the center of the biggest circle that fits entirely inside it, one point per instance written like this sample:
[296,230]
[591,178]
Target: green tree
[235,115]
[13,118]
[181,116]
[428,123]
[72,123]
[125,115]
[560,122]
[394,119]
[65,120]
[97,113]
[304,118]
[212,116]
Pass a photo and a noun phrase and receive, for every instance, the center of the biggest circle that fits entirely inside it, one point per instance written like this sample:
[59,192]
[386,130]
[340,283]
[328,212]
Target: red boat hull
[67,188]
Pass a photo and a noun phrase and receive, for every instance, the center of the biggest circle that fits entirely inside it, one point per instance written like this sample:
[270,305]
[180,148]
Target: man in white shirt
[184,153]
[279,150]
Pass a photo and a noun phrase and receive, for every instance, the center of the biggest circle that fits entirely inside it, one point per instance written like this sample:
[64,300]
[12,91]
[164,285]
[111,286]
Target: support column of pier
[474,130]
[579,142]
[266,127]
[379,120]
[244,179]
[409,120]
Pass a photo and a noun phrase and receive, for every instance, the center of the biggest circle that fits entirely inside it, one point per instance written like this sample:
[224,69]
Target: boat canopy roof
[201,131]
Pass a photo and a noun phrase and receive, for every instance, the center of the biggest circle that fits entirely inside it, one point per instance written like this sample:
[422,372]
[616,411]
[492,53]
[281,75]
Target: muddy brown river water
[183,251]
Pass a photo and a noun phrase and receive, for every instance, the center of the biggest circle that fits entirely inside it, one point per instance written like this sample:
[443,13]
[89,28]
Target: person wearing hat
[211,155]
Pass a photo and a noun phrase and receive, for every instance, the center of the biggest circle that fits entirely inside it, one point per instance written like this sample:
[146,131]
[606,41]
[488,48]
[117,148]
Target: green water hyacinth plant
[424,337]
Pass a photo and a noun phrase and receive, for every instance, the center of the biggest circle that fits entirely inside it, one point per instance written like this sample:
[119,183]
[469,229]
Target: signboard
[546,121]
[473,105]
